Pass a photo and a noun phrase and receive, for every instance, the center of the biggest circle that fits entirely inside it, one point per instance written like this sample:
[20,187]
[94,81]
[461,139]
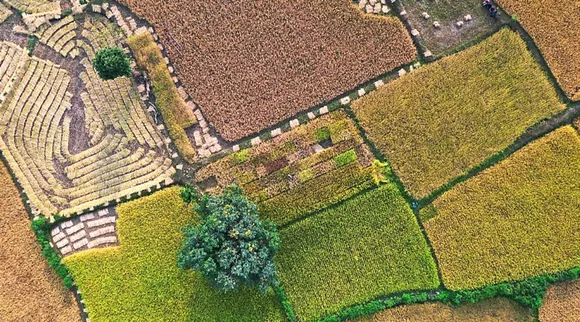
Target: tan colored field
[494,310]
[29,289]
[251,64]
[562,303]
[554,26]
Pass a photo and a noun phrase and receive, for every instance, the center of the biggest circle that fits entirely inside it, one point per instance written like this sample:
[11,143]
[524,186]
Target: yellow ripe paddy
[445,118]
[515,220]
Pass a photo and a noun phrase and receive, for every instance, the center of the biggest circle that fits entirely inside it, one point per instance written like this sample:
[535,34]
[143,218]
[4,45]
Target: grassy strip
[528,293]
[41,228]
[176,114]
[288,309]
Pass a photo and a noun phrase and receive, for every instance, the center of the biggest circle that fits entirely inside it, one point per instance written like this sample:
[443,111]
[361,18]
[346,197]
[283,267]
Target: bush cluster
[41,228]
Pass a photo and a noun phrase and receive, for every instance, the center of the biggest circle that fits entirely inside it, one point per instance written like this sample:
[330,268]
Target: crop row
[252,64]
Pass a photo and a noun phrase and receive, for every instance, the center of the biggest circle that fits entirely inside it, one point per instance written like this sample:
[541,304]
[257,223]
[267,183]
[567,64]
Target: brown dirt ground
[251,64]
[29,288]
[562,303]
[493,310]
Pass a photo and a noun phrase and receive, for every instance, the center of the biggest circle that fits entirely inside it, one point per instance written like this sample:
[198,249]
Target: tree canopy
[231,246]
[112,62]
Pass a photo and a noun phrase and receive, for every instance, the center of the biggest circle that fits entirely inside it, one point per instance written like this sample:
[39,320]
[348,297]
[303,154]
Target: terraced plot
[139,280]
[300,171]
[445,118]
[124,152]
[367,247]
[515,220]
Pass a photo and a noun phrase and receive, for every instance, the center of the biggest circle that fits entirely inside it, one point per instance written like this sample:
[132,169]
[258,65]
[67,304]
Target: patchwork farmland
[364,160]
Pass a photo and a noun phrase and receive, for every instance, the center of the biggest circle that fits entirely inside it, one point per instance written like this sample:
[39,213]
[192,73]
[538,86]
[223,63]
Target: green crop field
[440,121]
[515,220]
[368,246]
[139,280]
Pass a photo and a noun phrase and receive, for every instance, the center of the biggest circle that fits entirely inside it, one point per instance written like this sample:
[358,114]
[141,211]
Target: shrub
[515,220]
[447,117]
[368,246]
[139,280]
[111,62]
[231,246]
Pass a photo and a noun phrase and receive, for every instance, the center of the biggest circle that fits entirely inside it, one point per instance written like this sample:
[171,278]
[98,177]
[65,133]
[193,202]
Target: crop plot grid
[300,161]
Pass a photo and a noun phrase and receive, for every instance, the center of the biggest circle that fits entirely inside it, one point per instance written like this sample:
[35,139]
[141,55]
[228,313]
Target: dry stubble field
[28,286]
[251,64]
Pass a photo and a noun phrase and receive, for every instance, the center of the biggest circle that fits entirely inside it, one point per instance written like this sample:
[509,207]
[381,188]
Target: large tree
[231,246]
[112,62]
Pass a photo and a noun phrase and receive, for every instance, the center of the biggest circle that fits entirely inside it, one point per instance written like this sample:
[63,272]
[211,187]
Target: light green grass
[369,246]
[140,281]
[515,220]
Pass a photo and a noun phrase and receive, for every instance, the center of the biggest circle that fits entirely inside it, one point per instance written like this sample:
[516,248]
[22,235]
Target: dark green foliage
[528,293]
[345,158]
[290,314]
[41,228]
[111,62]
[32,40]
[230,246]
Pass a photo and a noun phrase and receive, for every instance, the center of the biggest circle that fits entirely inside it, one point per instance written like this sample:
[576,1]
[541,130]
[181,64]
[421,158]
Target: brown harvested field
[251,64]
[562,303]
[556,31]
[29,288]
[493,310]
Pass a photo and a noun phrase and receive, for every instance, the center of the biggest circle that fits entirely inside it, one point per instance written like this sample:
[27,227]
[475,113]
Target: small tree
[230,246]
[111,62]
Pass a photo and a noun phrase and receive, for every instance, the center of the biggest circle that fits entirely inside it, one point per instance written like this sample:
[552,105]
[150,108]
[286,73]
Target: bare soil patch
[251,64]
[562,303]
[29,288]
